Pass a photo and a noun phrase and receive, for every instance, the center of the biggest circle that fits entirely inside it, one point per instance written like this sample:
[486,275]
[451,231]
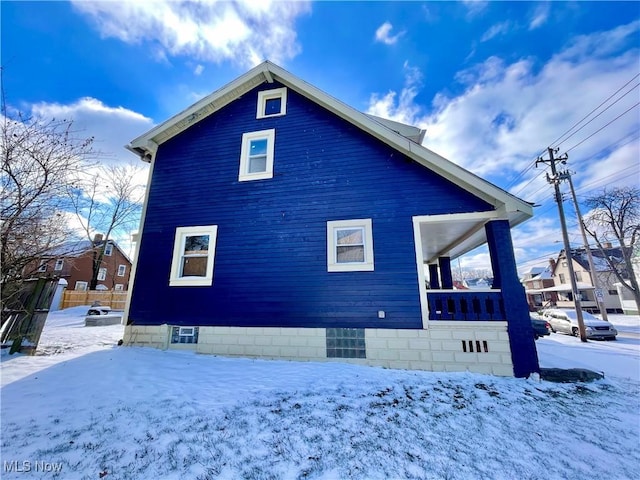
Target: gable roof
[401,137]
[80,247]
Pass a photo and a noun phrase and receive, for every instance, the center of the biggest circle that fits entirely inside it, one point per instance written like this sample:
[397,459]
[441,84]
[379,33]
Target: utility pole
[595,281]
[555,179]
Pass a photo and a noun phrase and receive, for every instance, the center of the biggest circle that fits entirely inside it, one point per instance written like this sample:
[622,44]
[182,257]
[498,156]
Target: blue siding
[270,264]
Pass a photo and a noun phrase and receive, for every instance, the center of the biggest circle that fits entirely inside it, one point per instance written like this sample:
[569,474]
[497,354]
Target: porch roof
[565,287]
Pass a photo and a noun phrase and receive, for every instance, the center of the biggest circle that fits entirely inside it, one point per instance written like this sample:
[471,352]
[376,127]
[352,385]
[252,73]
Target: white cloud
[540,16]
[383,34]
[247,32]
[400,108]
[509,113]
[198,70]
[498,29]
[111,127]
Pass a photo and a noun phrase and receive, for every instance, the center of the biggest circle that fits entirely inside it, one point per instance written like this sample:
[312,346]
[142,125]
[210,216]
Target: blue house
[281,223]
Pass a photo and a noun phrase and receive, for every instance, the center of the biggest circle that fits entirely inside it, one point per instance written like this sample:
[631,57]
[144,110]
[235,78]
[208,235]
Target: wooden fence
[115,300]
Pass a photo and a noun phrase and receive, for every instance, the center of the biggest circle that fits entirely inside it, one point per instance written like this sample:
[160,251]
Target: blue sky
[494,83]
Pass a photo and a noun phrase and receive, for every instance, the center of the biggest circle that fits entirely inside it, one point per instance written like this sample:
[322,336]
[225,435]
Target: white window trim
[84,286]
[102,274]
[178,247]
[270,136]
[59,264]
[269,95]
[123,269]
[332,264]
[43,266]
[108,249]
[187,331]
[119,287]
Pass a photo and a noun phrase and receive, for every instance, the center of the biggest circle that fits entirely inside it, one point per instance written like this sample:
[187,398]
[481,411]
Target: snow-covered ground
[84,407]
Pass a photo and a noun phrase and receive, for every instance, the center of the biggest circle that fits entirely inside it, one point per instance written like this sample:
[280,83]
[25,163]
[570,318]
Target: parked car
[566,321]
[540,326]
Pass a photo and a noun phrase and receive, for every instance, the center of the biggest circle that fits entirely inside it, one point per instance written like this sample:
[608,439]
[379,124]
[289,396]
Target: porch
[441,238]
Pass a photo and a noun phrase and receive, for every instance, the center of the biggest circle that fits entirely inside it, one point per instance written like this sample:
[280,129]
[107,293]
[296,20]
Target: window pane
[196,244]
[350,236]
[194,267]
[258,147]
[273,106]
[350,254]
[258,164]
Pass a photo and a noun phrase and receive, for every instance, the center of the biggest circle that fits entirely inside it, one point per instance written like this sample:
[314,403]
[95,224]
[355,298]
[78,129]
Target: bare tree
[108,201]
[38,158]
[615,217]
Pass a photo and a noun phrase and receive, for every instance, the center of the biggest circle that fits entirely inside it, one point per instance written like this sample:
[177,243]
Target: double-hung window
[256,155]
[108,249]
[193,254]
[272,103]
[59,264]
[102,274]
[349,245]
[122,269]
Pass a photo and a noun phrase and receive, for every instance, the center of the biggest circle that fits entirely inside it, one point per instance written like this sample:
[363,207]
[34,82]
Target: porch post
[445,272]
[505,277]
[434,281]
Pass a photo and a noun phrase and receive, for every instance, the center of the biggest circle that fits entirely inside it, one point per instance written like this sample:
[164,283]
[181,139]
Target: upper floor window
[562,279]
[193,254]
[43,266]
[256,155]
[122,269]
[272,103]
[108,249]
[59,264]
[349,245]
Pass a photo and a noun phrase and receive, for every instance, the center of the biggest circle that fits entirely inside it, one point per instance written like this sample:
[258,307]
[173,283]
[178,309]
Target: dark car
[540,326]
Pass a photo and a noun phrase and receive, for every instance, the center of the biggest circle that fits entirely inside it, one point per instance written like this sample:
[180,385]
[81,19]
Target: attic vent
[477,346]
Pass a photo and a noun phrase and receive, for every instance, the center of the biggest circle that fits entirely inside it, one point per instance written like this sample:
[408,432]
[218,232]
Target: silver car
[566,321]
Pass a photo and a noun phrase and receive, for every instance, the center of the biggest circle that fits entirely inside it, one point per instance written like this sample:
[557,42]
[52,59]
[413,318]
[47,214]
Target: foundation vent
[478,346]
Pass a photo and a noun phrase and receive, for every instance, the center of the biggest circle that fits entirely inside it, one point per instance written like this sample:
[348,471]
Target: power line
[608,107]
[603,127]
[588,114]
[562,137]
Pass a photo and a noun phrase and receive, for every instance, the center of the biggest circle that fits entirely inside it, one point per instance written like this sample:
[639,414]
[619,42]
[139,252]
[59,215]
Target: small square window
[108,249]
[193,254]
[119,287]
[272,103]
[349,245]
[122,269]
[59,264]
[256,155]
[184,335]
[81,286]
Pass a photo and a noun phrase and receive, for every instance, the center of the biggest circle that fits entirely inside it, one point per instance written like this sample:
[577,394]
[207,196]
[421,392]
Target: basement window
[184,335]
[272,103]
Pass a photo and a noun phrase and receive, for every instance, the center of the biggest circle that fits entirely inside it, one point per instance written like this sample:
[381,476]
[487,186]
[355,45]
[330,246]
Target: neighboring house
[281,223]
[74,263]
[606,279]
[537,283]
